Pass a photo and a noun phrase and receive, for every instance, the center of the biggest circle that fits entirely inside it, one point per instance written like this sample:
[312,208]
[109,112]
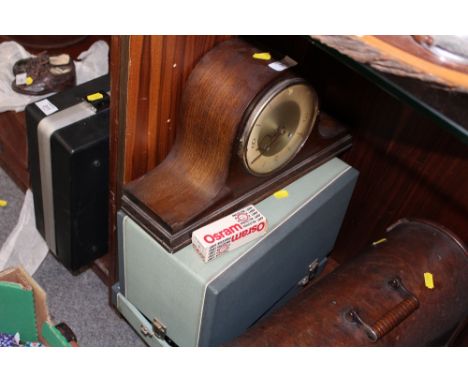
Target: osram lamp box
[229,233]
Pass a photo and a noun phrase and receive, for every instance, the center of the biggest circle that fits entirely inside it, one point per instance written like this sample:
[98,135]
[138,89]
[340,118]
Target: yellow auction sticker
[94,97]
[429,280]
[262,56]
[3,203]
[281,194]
[383,240]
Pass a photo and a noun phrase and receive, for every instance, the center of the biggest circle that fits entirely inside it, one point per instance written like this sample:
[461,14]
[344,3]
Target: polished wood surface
[410,166]
[46,42]
[416,316]
[73,45]
[460,338]
[14,148]
[118,76]
[158,68]
[218,92]
[202,178]
[243,187]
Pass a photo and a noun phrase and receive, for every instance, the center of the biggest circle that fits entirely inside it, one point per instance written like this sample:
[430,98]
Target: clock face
[278,126]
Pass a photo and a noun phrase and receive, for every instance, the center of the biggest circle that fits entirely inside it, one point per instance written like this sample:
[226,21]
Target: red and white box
[229,233]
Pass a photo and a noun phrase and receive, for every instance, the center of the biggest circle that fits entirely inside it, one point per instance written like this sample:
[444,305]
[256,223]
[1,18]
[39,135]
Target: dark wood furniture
[14,148]
[388,304]
[411,160]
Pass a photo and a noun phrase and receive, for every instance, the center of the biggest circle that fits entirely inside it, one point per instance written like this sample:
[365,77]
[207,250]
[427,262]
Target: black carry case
[68,143]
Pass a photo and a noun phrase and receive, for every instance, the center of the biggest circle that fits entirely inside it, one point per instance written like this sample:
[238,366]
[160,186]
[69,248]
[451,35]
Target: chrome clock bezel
[262,102]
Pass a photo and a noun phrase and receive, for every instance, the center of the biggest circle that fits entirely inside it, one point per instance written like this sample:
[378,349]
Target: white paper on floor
[91,64]
[25,246]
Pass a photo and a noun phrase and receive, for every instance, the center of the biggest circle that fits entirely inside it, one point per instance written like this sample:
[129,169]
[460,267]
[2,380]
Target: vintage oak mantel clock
[246,130]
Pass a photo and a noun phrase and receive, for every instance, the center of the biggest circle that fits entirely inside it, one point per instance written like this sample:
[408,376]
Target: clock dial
[278,126]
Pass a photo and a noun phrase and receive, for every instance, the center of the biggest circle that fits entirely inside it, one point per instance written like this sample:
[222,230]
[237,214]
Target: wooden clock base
[328,139]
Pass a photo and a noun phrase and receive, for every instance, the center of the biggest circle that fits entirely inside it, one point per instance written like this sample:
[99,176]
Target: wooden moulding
[202,179]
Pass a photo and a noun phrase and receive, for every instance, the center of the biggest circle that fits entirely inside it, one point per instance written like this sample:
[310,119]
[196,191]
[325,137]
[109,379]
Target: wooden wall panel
[118,77]
[158,68]
[410,166]
[14,148]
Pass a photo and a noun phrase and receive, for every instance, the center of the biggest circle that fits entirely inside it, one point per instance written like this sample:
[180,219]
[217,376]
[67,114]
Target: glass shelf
[449,109]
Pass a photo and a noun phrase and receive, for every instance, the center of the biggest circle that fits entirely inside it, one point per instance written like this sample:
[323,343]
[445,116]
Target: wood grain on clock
[148,74]
[328,139]
[157,71]
[218,92]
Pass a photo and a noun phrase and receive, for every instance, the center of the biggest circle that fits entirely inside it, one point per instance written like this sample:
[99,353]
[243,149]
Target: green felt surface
[17,311]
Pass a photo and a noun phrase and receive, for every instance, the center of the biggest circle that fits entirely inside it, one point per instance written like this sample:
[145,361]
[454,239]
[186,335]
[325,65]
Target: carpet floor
[79,300]
[9,213]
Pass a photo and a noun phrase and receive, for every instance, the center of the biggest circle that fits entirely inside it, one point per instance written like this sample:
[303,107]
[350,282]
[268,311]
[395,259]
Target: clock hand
[255,159]
[272,139]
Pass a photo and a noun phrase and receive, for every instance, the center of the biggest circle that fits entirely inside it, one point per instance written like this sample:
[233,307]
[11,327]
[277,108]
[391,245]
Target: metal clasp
[313,267]
[145,331]
[159,329]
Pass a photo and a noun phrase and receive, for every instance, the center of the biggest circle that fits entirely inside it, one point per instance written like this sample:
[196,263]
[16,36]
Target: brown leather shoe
[26,64]
[44,79]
